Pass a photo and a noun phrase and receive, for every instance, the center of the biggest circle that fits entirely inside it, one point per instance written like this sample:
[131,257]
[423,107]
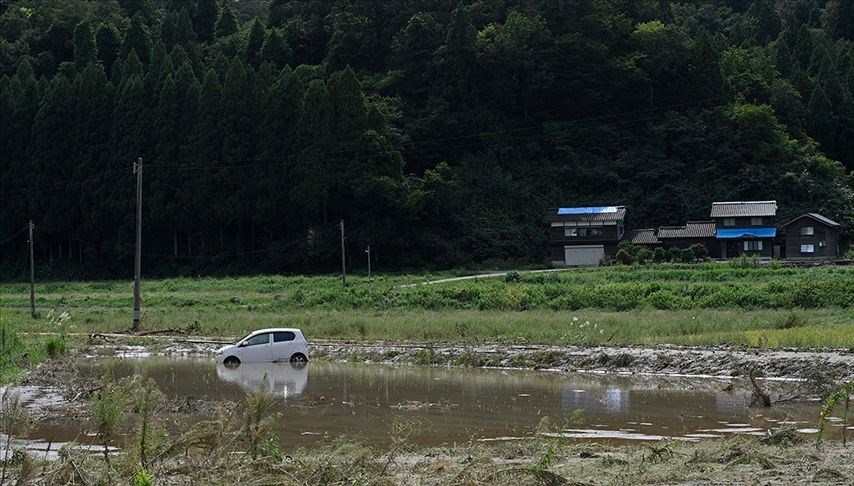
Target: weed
[258,421]
[143,478]
[55,346]
[145,398]
[791,321]
[841,395]
[13,421]
[107,410]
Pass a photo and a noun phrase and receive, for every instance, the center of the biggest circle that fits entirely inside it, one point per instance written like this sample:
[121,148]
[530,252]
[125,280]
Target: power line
[14,235]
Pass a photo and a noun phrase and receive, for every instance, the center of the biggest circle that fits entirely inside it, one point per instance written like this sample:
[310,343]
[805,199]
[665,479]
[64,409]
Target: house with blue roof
[583,236]
[746,228]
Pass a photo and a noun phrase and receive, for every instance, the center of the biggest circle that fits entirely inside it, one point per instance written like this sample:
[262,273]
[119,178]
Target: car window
[279,337]
[259,339]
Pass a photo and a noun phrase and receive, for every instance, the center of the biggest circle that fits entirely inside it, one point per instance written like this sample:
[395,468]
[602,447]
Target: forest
[439,131]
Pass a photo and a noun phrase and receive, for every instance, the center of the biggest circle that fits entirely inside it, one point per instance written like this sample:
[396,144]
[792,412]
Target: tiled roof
[743,208]
[815,216]
[599,213]
[692,229]
[645,236]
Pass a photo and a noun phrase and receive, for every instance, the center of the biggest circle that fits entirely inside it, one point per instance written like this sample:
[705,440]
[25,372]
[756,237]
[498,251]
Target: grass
[675,304]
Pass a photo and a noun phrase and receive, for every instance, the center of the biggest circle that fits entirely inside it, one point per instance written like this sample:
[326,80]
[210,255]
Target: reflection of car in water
[283,379]
[266,346]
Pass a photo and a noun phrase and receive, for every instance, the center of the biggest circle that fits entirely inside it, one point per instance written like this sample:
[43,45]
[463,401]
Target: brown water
[447,405]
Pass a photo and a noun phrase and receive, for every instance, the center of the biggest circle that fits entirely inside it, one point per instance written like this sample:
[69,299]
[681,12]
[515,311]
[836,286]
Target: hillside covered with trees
[439,131]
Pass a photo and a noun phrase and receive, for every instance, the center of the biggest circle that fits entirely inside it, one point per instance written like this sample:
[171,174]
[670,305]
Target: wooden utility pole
[32,276]
[137,169]
[343,258]
[368,251]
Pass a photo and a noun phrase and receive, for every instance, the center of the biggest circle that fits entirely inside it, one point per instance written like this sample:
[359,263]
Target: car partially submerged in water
[266,346]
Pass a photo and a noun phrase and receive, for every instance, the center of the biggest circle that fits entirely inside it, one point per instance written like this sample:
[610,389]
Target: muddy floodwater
[437,406]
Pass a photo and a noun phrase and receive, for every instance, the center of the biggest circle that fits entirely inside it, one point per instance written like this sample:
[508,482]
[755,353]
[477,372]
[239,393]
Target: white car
[266,346]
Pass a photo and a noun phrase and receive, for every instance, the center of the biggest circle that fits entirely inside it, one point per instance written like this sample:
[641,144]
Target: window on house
[570,231]
[753,245]
[756,221]
[729,221]
[808,248]
[807,231]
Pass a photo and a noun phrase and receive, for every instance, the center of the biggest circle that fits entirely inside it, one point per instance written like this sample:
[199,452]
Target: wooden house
[692,233]
[745,228]
[582,236]
[811,236]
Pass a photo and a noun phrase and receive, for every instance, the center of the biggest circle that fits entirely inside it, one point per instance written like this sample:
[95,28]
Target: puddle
[453,405]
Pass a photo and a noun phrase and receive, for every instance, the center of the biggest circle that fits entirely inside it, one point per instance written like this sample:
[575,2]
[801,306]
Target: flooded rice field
[438,405]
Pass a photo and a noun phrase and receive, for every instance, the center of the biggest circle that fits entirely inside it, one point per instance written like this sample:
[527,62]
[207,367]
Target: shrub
[699,250]
[512,277]
[790,321]
[55,346]
[644,255]
[687,255]
[629,247]
[625,257]
[659,255]
[674,254]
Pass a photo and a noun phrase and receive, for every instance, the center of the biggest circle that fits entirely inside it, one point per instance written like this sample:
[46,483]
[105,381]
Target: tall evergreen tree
[136,39]
[85,50]
[275,49]
[108,44]
[254,43]
[205,18]
[458,58]
[227,23]
[838,19]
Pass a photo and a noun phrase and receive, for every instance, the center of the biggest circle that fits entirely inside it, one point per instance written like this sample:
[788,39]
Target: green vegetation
[678,304]
[439,130]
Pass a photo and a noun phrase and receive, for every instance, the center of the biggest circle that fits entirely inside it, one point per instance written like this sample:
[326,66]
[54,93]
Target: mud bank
[663,360]
[718,361]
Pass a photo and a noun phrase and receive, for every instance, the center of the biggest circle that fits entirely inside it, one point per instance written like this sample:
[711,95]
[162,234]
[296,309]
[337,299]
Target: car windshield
[244,338]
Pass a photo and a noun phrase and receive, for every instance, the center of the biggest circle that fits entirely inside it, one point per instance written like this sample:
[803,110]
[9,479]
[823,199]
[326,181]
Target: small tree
[699,250]
[674,254]
[687,255]
[629,247]
[659,255]
[644,255]
[625,257]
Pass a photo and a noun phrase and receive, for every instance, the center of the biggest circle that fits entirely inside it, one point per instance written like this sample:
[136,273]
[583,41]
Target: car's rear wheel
[299,359]
[231,361]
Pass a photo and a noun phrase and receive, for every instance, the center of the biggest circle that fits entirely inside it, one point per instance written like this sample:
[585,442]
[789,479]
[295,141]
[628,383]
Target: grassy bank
[17,353]
[704,304]
[667,287]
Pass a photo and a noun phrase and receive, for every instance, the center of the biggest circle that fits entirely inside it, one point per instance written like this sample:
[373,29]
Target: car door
[283,345]
[257,349]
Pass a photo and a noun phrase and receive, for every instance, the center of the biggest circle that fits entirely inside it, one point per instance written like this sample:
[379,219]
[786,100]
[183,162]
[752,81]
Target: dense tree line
[438,130]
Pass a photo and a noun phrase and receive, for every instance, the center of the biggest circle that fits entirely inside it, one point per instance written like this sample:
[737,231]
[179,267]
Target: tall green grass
[670,287]
[680,304]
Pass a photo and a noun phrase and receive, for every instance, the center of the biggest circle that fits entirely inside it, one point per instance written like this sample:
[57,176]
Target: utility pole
[137,169]
[343,258]
[368,251]
[32,276]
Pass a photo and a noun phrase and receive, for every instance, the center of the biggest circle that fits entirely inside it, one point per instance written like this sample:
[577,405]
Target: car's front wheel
[299,359]
[231,361]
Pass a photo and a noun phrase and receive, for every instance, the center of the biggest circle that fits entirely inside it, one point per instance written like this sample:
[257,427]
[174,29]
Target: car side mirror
[242,343]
